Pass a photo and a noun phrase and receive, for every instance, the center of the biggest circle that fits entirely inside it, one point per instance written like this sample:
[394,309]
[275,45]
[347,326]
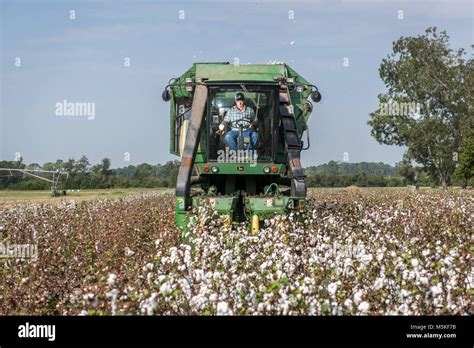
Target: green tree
[407,172]
[82,165]
[105,167]
[427,105]
[465,167]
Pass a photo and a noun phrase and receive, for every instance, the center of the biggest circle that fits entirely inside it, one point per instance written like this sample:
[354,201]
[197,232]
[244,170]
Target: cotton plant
[349,253]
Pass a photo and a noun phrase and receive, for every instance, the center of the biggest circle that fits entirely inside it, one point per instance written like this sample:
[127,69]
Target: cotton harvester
[238,130]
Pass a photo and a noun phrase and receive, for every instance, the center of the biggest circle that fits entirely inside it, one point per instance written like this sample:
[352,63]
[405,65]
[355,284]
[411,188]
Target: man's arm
[252,114]
[225,123]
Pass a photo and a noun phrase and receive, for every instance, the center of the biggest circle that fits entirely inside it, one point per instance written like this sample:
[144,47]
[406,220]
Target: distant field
[8,197]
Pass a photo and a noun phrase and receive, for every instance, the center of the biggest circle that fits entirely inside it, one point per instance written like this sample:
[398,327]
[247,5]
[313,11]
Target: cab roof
[226,72]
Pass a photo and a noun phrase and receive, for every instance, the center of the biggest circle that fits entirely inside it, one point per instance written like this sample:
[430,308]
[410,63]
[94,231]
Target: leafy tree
[59,164]
[465,168]
[427,105]
[48,166]
[407,171]
[168,173]
[143,171]
[69,166]
[105,167]
[33,166]
[82,165]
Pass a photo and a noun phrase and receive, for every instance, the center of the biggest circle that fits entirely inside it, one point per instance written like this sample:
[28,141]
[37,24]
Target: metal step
[293,144]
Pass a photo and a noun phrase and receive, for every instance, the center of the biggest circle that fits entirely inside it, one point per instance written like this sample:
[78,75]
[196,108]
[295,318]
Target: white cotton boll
[89,296]
[213,298]
[448,260]
[415,263]
[165,289]
[129,252]
[405,293]
[111,279]
[113,295]
[436,290]
[378,283]
[363,307]
[332,288]
[348,303]
[347,262]
[198,302]
[404,309]
[366,258]
[358,296]
[223,308]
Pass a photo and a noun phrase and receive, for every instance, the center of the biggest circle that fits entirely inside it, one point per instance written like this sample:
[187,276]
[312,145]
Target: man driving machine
[240,115]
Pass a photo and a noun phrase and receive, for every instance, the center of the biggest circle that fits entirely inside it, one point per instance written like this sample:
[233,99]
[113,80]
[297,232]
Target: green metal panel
[241,168]
[264,207]
[222,204]
[229,72]
[225,72]
[267,206]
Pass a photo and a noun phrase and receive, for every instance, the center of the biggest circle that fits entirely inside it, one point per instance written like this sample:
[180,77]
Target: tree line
[83,175]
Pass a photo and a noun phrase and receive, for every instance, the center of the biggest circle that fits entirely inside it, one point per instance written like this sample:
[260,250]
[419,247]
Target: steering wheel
[245,123]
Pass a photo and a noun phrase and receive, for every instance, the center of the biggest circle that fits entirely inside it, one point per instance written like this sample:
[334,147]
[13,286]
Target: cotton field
[352,252]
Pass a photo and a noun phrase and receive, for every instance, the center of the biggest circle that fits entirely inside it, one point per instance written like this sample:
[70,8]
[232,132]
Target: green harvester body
[242,184]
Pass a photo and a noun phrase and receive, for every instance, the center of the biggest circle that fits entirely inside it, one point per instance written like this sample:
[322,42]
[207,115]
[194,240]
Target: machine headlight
[189,84]
[266,170]
[215,169]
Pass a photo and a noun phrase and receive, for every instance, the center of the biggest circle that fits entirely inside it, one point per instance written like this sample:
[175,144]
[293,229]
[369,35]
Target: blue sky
[82,60]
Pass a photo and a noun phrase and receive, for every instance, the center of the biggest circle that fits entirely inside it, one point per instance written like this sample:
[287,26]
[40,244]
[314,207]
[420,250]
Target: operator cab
[221,120]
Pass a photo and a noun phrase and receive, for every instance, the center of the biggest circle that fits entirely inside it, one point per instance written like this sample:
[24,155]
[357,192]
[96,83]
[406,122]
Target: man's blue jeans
[231,138]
